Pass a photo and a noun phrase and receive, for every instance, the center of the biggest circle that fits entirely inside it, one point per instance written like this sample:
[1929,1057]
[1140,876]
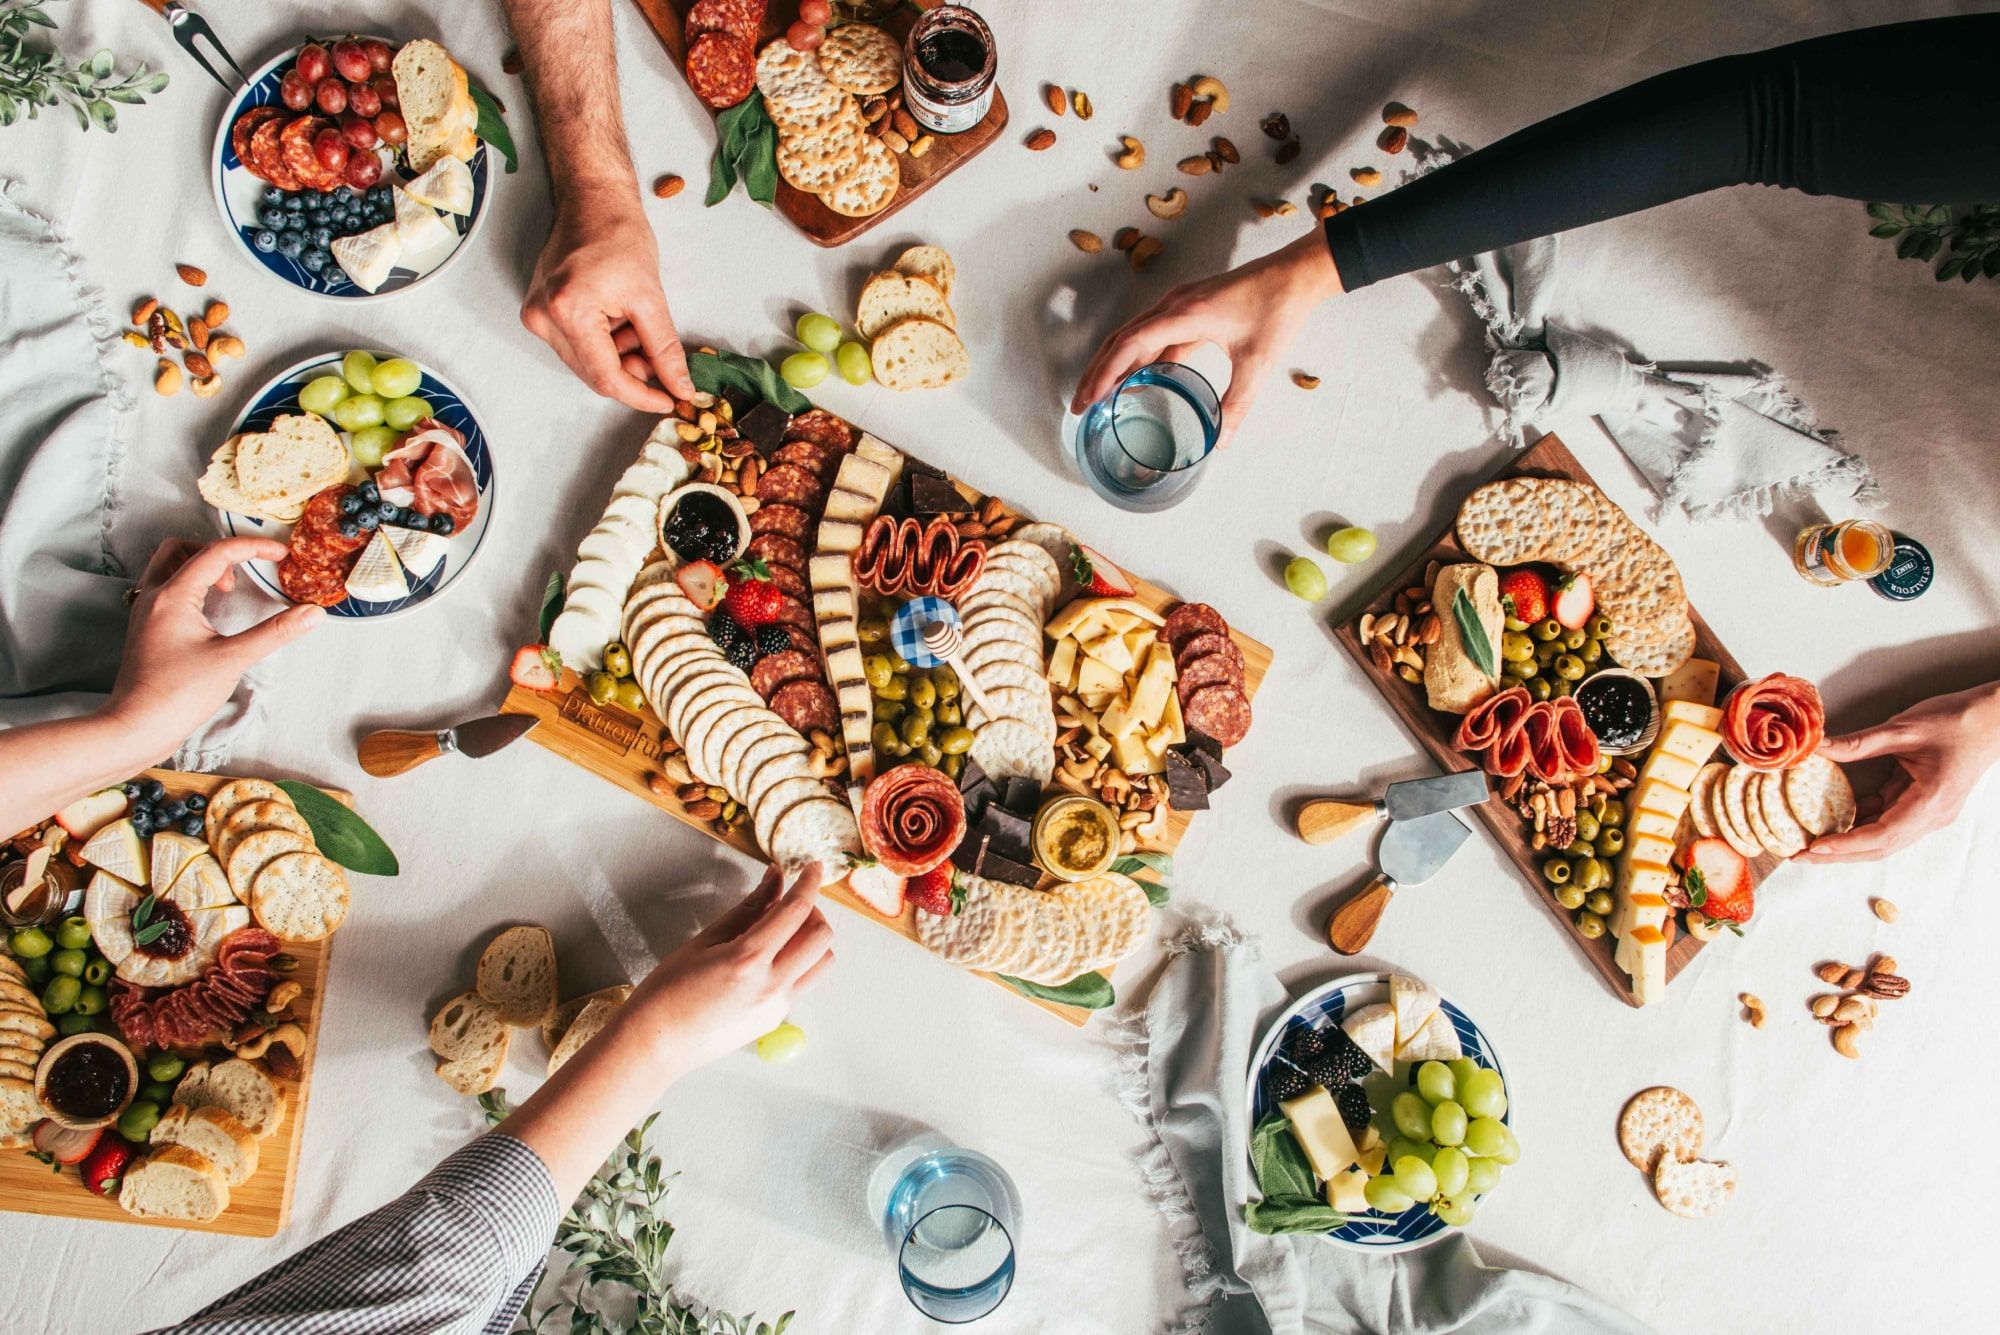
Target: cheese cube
[1343,1193]
[1693,680]
[1690,743]
[1093,675]
[1112,651]
[1157,744]
[1171,722]
[1118,722]
[1132,755]
[1649,980]
[1656,823]
[829,572]
[1656,795]
[1139,639]
[1677,770]
[1647,911]
[1098,746]
[1650,848]
[1062,664]
[1690,711]
[1320,1132]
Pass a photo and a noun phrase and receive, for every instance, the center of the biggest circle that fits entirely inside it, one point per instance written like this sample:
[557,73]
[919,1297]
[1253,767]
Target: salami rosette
[912,817]
[1773,723]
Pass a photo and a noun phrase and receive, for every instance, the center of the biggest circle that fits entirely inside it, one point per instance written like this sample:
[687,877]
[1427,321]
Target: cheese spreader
[397,751]
[1411,852]
[1327,819]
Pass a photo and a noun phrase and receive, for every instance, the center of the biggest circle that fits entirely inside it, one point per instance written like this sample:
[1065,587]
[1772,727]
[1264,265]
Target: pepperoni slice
[269,155]
[787,521]
[1189,620]
[311,582]
[721,68]
[912,817]
[1574,739]
[775,671]
[789,579]
[807,705]
[822,461]
[742,19]
[778,549]
[822,428]
[239,136]
[793,611]
[792,484]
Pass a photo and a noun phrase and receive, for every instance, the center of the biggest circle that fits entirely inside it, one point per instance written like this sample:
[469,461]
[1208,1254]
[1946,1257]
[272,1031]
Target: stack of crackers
[273,863]
[272,474]
[825,147]
[1575,527]
[1661,1132]
[1049,937]
[905,313]
[24,1031]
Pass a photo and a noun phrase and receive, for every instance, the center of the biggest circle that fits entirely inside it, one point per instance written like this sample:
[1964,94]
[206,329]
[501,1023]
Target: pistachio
[1079,102]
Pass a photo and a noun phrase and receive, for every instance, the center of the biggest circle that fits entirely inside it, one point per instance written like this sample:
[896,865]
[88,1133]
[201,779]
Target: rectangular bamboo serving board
[807,212]
[261,1207]
[1547,458]
[624,747]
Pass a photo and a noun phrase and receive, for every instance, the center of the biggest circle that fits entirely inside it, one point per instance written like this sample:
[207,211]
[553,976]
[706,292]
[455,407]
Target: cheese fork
[189,28]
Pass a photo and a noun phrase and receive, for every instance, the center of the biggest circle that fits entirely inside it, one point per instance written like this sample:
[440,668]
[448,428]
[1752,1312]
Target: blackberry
[1282,1081]
[725,631]
[1353,1105]
[772,639]
[1303,1043]
[1325,1069]
[1354,1063]
[742,654]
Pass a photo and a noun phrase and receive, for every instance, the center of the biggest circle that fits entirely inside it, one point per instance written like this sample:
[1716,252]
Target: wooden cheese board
[260,1207]
[624,747]
[1434,730]
[808,212]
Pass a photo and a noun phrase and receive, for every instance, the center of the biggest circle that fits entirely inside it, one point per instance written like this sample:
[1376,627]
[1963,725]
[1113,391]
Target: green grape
[1350,546]
[360,411]
[1305,579]
[1481,1175]
[1415,1176]
[1399,1146]
[819,332]
[370,443]
[323,393]
[852,359]
[405,412]
[1461,1070]
[782,1044]
[1484,1094]
[1486,1136]
[357,368]
[1452,1169]
[395,378]
[1456,1213]
[1510,1148]
[803,370]
[1448,1124]
[1436,1082]
[1412,1115]
[1383,1194]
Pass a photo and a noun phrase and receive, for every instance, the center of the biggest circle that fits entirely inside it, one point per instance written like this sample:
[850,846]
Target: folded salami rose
[912,817]
[1773,723]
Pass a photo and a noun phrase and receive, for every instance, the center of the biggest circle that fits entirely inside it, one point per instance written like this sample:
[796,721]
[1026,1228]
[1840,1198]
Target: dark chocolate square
[1204,743]
[1022,796]
[999,867]
[1010,832]
[1217,775]
[764,426]
[1187,786]
[936,496]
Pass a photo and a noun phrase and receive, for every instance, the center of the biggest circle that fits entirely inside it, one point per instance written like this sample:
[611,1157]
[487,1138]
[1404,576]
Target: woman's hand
[596,299]
[1942,747]
[178,669]
[1252,313]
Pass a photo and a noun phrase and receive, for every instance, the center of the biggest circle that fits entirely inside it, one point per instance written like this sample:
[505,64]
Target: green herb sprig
[1157,892]
[147,926]
[713,372]
[552,603]
[340,833]
[746,146]
[1090,991]
[1285,1180]
[1969,238]
[1473,631]
[32,78]
[491,128]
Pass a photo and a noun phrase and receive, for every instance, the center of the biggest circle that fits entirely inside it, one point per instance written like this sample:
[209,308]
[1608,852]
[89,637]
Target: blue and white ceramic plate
[240,196]
[1323,1008]
[281,396]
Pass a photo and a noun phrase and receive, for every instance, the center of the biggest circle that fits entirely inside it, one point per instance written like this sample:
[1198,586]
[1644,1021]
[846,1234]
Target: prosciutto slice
[1773,723]
[431,468]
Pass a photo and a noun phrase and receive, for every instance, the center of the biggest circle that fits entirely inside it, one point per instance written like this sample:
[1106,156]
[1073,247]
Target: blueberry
[196,802]
[291,245]
[176,809]
[294,203]
[314,261]
[156,792]
[134,790]
[350,504]
[191,826]
[264,239]
[322,236]
[298,222]
[370,494]
[379,194]
[389,514]
[368,520]
[350,528]
[442,523]
[271,216]
[142,824]
[272,195]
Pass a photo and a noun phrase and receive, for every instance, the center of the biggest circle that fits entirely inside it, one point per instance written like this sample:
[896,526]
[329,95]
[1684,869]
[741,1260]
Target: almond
[1198,165]
[874,109]
[1398,114]
[666,187]
[1394,139]
[198,333]
[1198,113]
[217,312]
[1087,242]
[191,275]
[1884,909]
[1039,140]
[906,125]
[198,365]
[1181,101]
[1053,96]
[1832,971]
[1227,150]
[144,311]
[705,809]
[1367,176]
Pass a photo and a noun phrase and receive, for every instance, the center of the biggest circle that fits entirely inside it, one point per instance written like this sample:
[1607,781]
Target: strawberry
[701,581]
[876,886]
[1574,600]
[537,667]
[1717,881]
[936,891]
[106,1165]
[1525,595]
[1096,574]
[752,598]
[55,1143]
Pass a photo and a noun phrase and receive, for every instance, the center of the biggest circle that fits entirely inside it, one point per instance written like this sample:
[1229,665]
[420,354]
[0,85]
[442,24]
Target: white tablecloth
[1833,1216]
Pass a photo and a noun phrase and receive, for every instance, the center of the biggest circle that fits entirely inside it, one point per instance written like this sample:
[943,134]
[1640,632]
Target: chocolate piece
[1187,786]
[740,401]
[763,426]
[1000,867]
[936,496]
[1212,770]
[972,776]
[1204,743]
[1021,796]
[971,852]
[1010,832]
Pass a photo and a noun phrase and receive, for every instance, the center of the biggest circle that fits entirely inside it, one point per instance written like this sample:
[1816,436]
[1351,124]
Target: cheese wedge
[447,185]
[378,576]
[1436,1041]
[368,257]
[1676,770]
[1649,980]
[1343,1193]
[1693,681]
[1656,823]
[418,227]
[1414,1001]
[419,550]
[1688,742]
[1646,848]
[118,849]
[171,852]
[1321,1134]
[1658,795]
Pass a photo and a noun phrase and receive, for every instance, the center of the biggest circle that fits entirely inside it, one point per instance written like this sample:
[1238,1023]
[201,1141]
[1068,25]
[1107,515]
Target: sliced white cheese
[418,227]
[839,535]
[849,506]
[447,185]
[1373,1029]
[368,257]
[378,576]
[829,572]
[833,605]
[171,851]
[1436,1041]
[1344,1192]
[1321,1133]
[1414,1001]
[118,849]
[1694,680]
[420,550]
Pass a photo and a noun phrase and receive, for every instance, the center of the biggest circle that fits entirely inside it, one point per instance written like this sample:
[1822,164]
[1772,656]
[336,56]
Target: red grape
[331,96]
[313,63]
[295,92]
[351,62]
[362,99]
[380,57]
[803,36]
[358,131]
[817,12]
[385,88]
[331,150]
[363,170]
[391,127]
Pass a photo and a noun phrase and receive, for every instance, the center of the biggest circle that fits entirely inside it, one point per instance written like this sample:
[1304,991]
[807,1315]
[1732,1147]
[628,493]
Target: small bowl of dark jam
[703,522]
[1621,708]
[86,1080]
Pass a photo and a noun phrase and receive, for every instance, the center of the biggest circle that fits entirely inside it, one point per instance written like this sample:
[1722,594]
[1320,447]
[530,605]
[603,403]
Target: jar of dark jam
[949,62]
[1620,708]
[87,1080]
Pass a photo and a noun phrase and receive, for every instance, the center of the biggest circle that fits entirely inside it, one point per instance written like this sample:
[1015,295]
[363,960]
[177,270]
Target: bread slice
[476,1075]
[218,486]
[436,102]
[932,262]
[565,1015]
[175,1183]
[919,354]
[892,296]
[214,1134]
[299,896]
[517,975]
[468,1028]
[596,1013]
[301,455]
[239,1089]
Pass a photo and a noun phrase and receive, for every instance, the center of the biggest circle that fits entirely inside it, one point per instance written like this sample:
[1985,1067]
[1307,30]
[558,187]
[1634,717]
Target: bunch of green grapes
[1450,1143]
[1549,658]
[374,402]
[918,714]
[614,680]
[1579,875]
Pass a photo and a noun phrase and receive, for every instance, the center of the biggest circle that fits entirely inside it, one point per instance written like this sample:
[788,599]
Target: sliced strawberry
[537,667]
[702,582]
[936,891]
[1096,573]
[1525,595]
[1574,600]
[1717,881]
[877,887]
[64,1145]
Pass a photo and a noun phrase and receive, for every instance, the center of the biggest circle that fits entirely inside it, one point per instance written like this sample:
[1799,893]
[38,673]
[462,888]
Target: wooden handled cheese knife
[1411,852]
[395,751]
[1325,820]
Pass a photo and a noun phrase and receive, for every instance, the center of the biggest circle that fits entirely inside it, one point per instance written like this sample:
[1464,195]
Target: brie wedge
[447,185]
[367,257]
[378,576]
[118,849]
[1436,1041]
[1373,1029]
[420,550]
[418,227]
[1414,1001]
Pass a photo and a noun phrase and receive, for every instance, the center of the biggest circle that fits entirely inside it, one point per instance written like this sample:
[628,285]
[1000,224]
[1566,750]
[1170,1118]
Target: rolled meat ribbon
[967,564]
[912,817]
[1773,723]
[1490,719]
[1576,743]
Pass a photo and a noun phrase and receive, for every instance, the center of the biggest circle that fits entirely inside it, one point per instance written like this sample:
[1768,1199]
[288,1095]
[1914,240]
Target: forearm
[571,63]
[48,765]
[1827,116]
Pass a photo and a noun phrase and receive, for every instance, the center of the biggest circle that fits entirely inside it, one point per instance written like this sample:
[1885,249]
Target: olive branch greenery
[35,77]
[1969,238]
[616,1235]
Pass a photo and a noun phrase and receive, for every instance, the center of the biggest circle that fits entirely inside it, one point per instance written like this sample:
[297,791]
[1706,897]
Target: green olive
[1556,871]
[1538,687]
[602,686]
[89,1001]
[1546,650]
[1516,647]
[1570,896]
[61,994]
[1563,687]
[872,630]
[630,696]
[923,693]
[896,688]
[1547,630]
[97,971]
[948,711]
[1612,813]
[878,669]
[1597,805]
[952,765]
[955,741]
[1592,874]
[916,728]
[1581,848]
[1589,925]
[928,752]
[165,1066]
[1599,902]
[1600,627]
[1586,825]
[1569,667]
[1573,639]
[900,667]
[617,659]
[947,683]
[1611,842]
[1520,669]
[1592,651]
[884,737]
[136,1123]
[1515,624]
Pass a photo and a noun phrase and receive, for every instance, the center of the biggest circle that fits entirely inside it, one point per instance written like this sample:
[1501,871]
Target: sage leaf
[1886,229]
[1091,991]
[340,833]
[712,372]
[1477,646]
[1277,1159]
[491,128]
[552,603]
[1882,212]
[1292,1214]
[746,148]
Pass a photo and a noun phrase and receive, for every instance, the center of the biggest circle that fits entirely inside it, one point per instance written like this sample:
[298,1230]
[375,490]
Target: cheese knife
[395,751]
[1411,852]
[1327,819]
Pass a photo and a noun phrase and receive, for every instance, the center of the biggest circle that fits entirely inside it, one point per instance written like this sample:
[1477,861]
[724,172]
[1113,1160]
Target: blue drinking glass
[1140,446]
[952,1218]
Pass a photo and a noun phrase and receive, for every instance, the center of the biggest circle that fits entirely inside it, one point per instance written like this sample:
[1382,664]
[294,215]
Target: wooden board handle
[394,751]
[1325,820]
[1353,923]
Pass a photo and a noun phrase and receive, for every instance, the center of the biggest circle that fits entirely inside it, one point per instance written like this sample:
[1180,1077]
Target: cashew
[289,1035]
[1213,89]
[1134,156]
[822,766]
[282,996]
[1142,254]
[1170,205]
[1155,825]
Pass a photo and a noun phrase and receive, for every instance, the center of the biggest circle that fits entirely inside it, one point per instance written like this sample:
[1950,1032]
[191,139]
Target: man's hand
[1942,747]
[178,669]
[596,299]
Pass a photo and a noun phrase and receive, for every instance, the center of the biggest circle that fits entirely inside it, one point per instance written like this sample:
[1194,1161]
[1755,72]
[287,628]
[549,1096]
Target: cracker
[1732,819]
[820,829]
[1114,913]
[1638,585]
[1601,529]
[1820,797]
[1700,795]
[862,59]
[871,189]
[1504,523]
[250,817]
[794,784]
[970,931]
[1009,945]
[237,791]
[254,851]
[1652,657]
[1753,813]
[1032,557]
[1790,837]
[1659,1119]
[1009,748]
[824,158]
[300,897]
[1055,938]
[1693,1188]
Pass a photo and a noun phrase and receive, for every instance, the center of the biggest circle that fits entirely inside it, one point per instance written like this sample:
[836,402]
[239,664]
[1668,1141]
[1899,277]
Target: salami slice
[1773,723]
[134,1017]
[807,705]
[822,428]
[776,671]
[269,155]
[721,68]
[1209,642]
[1221,711]
[794,612]
[822,461]
[1487,721]
[255,939]
[741,19]
[239,136]
[803,639]
[1207,670]
[311,582]
[787,521]
[1575,742]
[789,579]
[297,144]
[775,548]
[1188,620]
[912,817]
[790,484]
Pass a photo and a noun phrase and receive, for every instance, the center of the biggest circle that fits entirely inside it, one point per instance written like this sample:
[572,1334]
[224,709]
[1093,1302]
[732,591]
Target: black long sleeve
[1908,113]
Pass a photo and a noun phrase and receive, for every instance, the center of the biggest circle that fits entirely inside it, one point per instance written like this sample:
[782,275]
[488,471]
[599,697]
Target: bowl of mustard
[1075,837]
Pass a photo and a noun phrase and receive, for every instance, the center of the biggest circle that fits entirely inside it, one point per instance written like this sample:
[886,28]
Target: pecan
[1393,139]
[1277,125]
[1887,986]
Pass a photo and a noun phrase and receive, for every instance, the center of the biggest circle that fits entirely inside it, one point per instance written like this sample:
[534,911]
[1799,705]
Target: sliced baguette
[932,262]
[919,353]
[437,105]
[596,1013]
[175,1183]
[301,455]
[214,1134]
[239,1089]
[468,1028]
[893,296]
[218,486]
[517,975]
[565,1015]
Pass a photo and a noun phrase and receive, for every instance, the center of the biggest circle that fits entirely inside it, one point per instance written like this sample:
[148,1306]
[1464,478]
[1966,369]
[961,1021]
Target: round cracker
[1767,800]
[1505,523]
[1652,655]
[300,896]
[1732,818]
[1054,938]
[226,799]
[861,59]
[969,932]
[1820,797]
[1695,1188]
[820,829]
[1638,585]
[1114,913]
[871,189]
[250,817]
[1009,748]
[824,158]
[1753,813]
[1699,810]
[1657,1119]
[253,852]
